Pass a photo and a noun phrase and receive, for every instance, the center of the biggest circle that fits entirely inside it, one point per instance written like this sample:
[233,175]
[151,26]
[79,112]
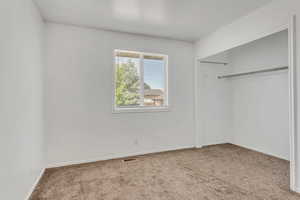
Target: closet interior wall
[249,111]
[215,101]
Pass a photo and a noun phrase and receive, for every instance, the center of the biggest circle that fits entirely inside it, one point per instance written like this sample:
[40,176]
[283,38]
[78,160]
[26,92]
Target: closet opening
[245,97]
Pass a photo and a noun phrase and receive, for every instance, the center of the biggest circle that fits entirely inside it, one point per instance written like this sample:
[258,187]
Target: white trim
[259,151]
[142,108]
[292,103]
[166,85]
[297,190]
[35,184]
[114,80]
[142,89]
[198,143]
[118,156]
[141,52]
[291,26]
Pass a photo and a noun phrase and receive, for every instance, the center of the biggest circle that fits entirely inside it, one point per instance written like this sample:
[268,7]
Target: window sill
[141,110]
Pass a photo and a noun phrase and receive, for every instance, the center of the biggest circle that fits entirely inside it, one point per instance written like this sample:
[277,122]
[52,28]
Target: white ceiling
[178,19]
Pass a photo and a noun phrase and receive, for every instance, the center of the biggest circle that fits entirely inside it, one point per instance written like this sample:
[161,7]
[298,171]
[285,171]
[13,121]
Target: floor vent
[129,159]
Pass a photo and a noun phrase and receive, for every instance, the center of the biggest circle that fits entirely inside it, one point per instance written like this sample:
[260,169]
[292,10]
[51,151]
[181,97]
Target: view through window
[140,80]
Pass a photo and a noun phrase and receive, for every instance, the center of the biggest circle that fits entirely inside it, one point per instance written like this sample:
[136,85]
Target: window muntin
[140,81]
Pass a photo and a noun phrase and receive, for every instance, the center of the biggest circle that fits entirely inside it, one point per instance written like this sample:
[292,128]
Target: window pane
[127,79]
[154,80]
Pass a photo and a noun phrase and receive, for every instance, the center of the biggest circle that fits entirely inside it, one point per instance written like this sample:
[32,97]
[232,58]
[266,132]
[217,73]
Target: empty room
[149,100]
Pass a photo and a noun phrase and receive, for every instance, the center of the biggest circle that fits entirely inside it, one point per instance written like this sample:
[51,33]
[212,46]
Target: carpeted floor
[220,172]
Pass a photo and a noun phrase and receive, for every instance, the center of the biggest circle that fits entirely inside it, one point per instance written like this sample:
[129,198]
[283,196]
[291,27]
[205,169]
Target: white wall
[257,24]
[260,102]
[80,124]
[215,102]
[21,109]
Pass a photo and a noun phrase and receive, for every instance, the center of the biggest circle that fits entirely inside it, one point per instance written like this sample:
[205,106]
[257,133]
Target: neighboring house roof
[153,92]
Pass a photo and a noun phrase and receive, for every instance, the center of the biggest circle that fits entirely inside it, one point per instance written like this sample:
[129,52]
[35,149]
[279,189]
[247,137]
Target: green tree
[127,84]
[147,87]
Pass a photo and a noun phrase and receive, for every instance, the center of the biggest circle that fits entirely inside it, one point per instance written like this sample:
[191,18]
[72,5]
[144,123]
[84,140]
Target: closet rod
[253,72]
[212,62]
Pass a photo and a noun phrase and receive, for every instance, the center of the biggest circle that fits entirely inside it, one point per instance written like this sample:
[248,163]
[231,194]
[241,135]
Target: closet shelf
[253,72]
[213,62]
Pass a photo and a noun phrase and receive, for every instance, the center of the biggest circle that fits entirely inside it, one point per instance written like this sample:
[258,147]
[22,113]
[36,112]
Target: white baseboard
[214,143]
[117,156]
[263,152]
[297,190]
[35,184]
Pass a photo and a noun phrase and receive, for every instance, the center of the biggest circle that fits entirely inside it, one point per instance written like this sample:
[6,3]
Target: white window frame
[142,108]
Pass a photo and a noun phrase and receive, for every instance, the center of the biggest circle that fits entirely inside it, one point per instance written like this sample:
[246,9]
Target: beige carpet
[220,172]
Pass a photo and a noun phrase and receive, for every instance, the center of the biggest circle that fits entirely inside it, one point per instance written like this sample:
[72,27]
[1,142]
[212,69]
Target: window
[140,81]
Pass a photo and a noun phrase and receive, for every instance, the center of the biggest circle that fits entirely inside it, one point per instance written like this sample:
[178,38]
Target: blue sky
[154,73]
